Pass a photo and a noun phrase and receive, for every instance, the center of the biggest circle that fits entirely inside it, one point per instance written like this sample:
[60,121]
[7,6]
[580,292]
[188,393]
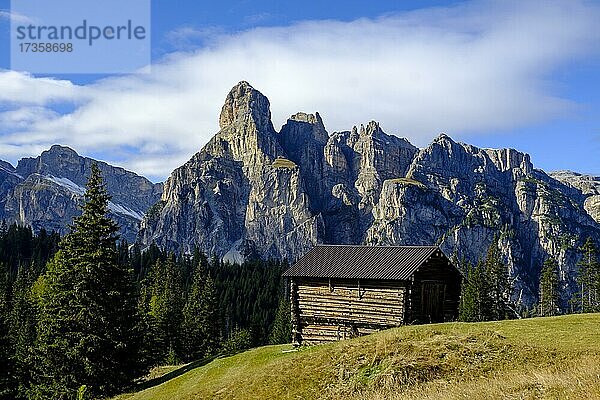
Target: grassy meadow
[539,358]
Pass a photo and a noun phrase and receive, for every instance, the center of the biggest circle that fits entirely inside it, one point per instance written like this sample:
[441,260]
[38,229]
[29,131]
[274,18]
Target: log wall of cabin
[326,310]
[437,270]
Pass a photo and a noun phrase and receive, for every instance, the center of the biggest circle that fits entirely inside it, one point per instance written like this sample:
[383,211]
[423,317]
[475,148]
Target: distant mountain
[255,192]
[44,192]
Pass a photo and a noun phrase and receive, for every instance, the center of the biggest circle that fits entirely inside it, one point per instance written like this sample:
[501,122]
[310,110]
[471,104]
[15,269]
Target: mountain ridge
[255,192]
[44,191]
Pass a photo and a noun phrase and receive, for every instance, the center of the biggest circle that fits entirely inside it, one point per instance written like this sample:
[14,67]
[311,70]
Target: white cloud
[23,117]
[23,88]
[15,17]
[482,66]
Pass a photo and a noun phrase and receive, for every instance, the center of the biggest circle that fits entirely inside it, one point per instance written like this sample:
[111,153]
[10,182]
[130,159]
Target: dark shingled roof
[361,262]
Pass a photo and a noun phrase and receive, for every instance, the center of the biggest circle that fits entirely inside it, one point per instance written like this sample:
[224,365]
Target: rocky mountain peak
[245,104]
[371,129]
[8,178]
[588,184]
[308,118]
[45,191]
[443,139]
[246,133]
[57,161]
[58,150]
[242,194]
[301,127]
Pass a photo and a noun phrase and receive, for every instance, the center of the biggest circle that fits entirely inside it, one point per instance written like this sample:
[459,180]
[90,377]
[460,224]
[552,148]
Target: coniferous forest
[486,288]
[85,315]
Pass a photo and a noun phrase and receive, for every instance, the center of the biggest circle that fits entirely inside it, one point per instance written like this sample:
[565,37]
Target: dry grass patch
[281,162]
[574,380]
[408,181]
[556,357]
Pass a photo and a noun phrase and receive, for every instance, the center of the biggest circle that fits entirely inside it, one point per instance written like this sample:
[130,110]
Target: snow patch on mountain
[67,183]
[7,170]
[78,190]
[119,209]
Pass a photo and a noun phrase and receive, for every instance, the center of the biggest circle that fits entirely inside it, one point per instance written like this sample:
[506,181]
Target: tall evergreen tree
[23,319]
[166,308]
[195,318]
[210,313]
[282,326]
[499,289]
[476,300]
[7,381]
[87,337]
[588,277]
[549,289]
[201,318]
[467,308]
[151,350]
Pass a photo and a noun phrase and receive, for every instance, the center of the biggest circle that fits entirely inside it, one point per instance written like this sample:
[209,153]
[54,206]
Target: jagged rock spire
[244,103]
[317,128]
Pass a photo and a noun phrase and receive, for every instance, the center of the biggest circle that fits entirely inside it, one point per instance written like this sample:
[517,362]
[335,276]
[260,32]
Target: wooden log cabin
[343,291]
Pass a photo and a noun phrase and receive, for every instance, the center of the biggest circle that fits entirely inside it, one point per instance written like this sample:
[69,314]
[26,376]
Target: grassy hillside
[556,357]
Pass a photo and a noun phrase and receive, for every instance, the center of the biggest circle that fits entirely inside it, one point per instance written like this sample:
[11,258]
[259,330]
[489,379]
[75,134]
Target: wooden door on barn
[432,300]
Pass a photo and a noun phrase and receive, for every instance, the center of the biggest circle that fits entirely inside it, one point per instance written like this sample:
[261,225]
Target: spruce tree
[476,300]
[23,319]
[166,308]
[549,289]
[467,309]
[211,329]
[499,289]
[282,326]
[465,305]
[194,320]
[7,378]
[87,336]
[588,277]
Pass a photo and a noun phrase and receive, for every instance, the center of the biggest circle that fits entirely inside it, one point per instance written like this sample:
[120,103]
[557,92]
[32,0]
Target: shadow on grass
[173,374]
[147,384]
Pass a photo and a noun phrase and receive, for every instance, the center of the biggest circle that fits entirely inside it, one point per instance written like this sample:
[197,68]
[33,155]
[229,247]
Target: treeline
[486,288]
[85,316]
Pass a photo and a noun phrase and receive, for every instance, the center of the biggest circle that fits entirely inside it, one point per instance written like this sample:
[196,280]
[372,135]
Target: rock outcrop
[240,195]
[589,186]
[462,198]
[44,192]
[255,192]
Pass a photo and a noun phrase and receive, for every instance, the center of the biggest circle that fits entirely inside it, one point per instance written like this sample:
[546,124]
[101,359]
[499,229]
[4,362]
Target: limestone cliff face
[44,192]
[255,192]
[240,195]
[461,198]
[589,186]
[8,180]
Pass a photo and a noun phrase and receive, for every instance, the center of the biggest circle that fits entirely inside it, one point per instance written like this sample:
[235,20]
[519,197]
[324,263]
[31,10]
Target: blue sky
[494,74]
[234,16]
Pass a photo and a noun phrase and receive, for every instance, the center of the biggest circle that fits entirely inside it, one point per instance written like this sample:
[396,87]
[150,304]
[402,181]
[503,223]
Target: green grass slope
[551,358]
